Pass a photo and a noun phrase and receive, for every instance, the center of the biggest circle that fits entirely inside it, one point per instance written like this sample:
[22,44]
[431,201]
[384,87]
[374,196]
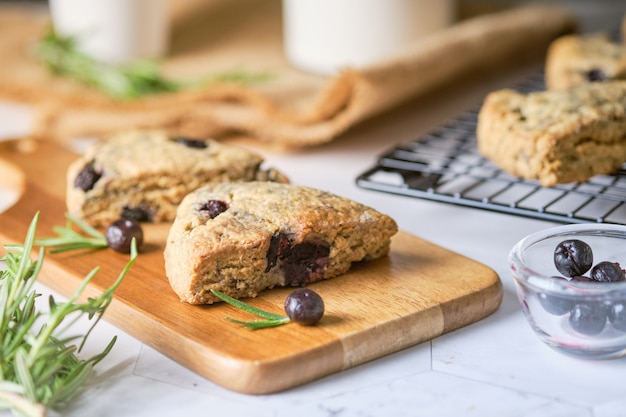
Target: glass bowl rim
[547,283]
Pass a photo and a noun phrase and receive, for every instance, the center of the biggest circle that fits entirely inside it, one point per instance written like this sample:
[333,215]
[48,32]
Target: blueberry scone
[578,59]
[143,175]
[242,238]
[556,136]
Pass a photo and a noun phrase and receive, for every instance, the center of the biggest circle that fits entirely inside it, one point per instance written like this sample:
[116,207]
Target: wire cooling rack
[444,165]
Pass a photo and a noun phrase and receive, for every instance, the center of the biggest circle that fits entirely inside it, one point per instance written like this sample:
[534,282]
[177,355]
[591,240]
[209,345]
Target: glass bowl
[581,319]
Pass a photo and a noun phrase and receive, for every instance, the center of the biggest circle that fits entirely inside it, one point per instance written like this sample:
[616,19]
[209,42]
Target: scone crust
[151,171]
[574,59]
[230,251]
[556,136]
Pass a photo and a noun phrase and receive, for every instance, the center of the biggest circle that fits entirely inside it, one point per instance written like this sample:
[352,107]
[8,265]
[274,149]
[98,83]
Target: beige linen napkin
[293,108]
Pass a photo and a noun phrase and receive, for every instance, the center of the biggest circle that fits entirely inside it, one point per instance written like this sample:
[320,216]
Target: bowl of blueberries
[571,286]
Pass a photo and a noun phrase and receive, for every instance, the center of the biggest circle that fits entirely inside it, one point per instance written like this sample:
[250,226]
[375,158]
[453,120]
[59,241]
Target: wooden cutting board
[417,293]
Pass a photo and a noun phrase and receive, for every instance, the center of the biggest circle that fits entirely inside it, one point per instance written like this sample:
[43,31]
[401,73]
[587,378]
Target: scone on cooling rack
[556,136]
[242,238]
[144,175]
[579,59]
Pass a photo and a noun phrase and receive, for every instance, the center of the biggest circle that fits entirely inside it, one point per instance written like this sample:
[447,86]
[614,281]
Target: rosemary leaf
[39,366]
[260,324]
[247,307]
[84,226]
[130,81]
[271,319]
[69,239]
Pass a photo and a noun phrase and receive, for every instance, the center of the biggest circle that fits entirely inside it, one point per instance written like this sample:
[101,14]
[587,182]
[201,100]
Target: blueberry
[213,208]
[617,316]
[138,214]
[595,74]
[304,306]
[87,177]
[555,304]
[279,242]
[304,262]
[301,263]
[588,318]
[120,233]
[191,143]
[573,257]
[607,272]
[582,278]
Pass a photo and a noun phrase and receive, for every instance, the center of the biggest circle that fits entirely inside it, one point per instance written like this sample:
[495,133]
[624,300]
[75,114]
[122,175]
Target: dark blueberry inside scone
[596,74]
[191,143]
[141,213]
[304,262]
[213,208]
[301,263]
[279,243]
[87,177]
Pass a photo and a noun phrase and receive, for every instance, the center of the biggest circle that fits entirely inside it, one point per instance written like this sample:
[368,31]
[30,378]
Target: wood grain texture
[418,292]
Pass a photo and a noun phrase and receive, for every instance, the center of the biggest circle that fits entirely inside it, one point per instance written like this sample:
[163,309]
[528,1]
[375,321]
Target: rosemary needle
[69,239]
[270,319]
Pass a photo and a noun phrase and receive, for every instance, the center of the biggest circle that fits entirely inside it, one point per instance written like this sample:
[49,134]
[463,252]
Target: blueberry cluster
[573,259]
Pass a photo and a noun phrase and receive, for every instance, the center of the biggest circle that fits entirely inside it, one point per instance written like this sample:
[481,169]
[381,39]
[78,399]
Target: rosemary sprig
[39,368]
[271,319]
[130,81]
[69,239]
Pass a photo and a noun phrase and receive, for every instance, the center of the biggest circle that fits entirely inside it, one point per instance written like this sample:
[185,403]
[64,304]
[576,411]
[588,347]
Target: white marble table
[495,367]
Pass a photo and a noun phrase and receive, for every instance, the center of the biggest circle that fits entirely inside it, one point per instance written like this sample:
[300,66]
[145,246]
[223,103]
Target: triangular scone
[144,175]
[242,238]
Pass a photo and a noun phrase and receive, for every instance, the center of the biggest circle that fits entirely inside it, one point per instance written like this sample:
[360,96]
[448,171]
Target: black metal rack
[444,165]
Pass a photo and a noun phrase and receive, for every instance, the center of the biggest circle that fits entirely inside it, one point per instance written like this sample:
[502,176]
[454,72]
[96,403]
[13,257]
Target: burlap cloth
[293,108]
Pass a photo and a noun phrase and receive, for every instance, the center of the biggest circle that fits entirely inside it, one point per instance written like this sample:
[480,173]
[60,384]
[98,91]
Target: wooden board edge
[460,312]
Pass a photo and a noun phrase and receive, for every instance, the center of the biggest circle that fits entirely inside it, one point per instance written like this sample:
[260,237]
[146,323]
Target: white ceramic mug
[114,31]
[323,36]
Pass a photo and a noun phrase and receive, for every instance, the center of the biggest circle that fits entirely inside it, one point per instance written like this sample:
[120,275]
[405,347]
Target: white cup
[324,36]
[114,31]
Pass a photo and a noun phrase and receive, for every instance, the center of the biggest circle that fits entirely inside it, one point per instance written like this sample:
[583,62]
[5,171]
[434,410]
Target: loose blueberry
[588,319]
[555,304]
[573,257]
[617,316]
[582,278]
[191,143]
[607,272]
[213,208]
[87,177]
[120,233]
[304,306]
